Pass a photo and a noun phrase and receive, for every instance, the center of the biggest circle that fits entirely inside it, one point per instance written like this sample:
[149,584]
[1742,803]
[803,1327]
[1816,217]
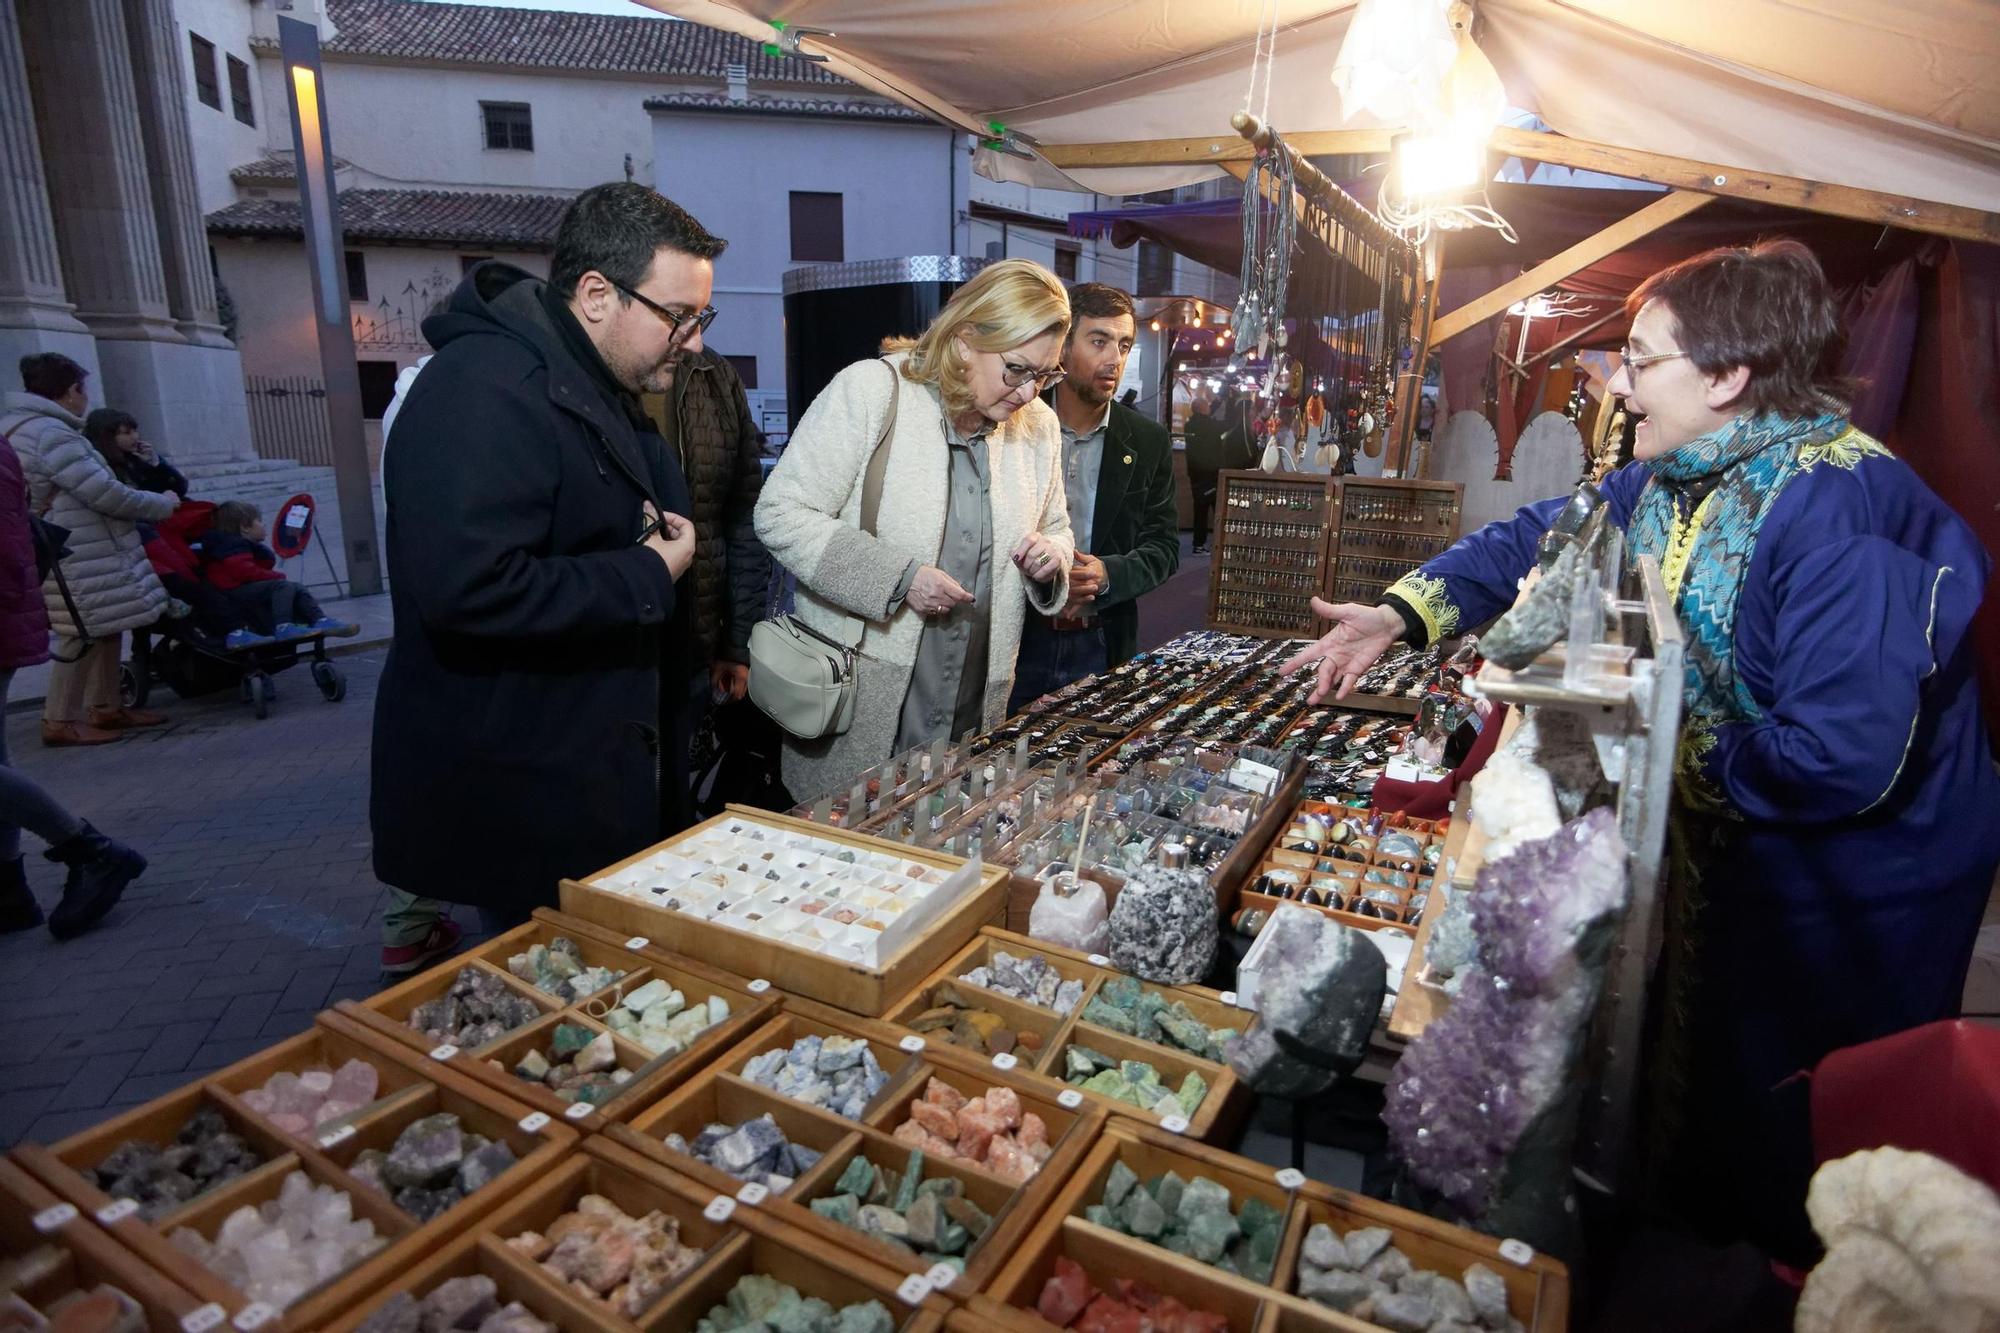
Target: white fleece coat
[70,484]
[809,518]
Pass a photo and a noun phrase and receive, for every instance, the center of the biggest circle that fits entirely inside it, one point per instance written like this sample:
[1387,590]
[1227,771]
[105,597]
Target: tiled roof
[430,33]
[787,106]
[277,167]
[447,217]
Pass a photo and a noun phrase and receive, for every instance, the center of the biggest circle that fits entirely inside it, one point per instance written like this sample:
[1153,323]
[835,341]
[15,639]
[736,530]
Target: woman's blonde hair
[1006,304]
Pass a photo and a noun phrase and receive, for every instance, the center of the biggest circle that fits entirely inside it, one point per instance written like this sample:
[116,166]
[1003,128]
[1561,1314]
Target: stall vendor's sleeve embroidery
[1428,598]
[1698,790]
[1846,450]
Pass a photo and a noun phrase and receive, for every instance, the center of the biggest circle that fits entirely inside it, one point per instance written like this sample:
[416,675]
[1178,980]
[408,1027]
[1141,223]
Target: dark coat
[1136,529]
[518,728]
[24,621]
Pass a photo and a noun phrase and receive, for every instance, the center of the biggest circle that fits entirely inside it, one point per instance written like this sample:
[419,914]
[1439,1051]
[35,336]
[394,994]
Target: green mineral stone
[841,1208]
[858,1179]
[954,1239]
[945,1187]
[1167,1190]
[1138,1072]
[754,1298]
[968,1215]
[1210,1234]
[1260,1221]
[1193,1088]
[1109,1016]
[1178,1242]
[925,1220]
[1181,1028]
[1119,1183]
[875,1219]
[1080,1062]
[1218,1042]
[1202,1195]
[1147,1015]
[1109,1084]
[905,1192]
[867,1317]
[1143,1215]
[569,1038]
[811,1315]
[1098,1215]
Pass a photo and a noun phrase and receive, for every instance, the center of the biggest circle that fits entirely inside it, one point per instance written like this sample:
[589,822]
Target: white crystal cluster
[278,1252]
[659,1017]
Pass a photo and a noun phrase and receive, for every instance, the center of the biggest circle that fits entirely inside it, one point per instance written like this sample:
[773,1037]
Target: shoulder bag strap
[878,461]
[83,637]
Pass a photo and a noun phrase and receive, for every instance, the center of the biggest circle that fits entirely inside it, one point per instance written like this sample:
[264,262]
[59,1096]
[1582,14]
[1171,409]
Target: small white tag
[758,986]
[941,1276]
[577,1110]
[719,1208]
[915,1287]
[254,1315]
[637,942]
[1517,1252]
[117,1211]
[1069,1099]
[207,1317]
[534,1122]
[1174,1124]
[752,1194]
[1291,1178]
[1005,1060]
[444,1052]
[912,1043]
[1229,998]
[1099,960]
[59,1216]
[333,1136]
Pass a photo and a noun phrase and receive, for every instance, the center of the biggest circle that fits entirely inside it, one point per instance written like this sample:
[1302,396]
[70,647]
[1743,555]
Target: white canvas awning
[1899,97]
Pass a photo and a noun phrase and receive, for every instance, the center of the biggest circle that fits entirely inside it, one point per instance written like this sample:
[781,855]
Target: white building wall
[221,142]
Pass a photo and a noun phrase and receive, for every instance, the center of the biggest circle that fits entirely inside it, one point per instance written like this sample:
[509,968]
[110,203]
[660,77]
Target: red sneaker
[402,959]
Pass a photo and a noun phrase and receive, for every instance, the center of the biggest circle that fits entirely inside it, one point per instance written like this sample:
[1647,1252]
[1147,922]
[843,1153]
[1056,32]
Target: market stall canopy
[1896,99]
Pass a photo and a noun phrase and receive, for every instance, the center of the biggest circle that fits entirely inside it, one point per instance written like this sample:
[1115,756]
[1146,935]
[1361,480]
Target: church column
[31,279]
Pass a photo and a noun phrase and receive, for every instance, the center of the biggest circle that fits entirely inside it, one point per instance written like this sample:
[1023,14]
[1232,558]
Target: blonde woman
[973,529]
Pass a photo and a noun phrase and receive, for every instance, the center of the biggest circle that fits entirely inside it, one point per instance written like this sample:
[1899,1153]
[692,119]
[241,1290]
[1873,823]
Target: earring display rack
[1282,539]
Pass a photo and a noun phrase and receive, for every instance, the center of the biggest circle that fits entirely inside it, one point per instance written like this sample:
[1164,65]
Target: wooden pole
[1410,387]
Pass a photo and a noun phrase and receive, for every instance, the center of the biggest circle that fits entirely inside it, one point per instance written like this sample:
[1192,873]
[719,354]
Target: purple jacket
[24,622]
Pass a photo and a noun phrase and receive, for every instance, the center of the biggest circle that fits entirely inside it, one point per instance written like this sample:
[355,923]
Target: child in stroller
[235,560]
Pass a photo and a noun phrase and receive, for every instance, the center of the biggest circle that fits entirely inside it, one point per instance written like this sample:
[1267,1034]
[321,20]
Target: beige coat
[809,519]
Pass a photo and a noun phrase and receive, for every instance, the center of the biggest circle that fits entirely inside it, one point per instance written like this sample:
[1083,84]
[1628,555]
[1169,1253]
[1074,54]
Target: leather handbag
[802,679]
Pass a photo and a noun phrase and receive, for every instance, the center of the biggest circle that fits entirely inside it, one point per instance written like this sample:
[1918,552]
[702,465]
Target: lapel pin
[1128,458]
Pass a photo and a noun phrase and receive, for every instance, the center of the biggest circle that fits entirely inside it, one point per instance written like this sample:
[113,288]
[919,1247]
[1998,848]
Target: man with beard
[1118,471]
[528,714]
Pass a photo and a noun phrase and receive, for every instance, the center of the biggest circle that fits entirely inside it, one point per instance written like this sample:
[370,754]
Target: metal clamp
[788,41]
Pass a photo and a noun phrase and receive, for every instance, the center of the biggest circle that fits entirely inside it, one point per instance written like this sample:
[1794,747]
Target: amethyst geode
[1482,1107]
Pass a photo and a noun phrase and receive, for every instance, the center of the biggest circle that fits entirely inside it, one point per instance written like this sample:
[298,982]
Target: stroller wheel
[257,689]
[134,685]
[331,683]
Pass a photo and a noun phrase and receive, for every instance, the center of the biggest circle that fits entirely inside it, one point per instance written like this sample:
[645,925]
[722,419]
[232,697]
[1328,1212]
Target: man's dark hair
[234,517]
[1098,300]
[104,423]
[615,229]
[50,374]
[1766,306]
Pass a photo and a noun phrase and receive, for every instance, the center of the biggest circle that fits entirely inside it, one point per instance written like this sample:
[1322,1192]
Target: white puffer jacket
[70,484]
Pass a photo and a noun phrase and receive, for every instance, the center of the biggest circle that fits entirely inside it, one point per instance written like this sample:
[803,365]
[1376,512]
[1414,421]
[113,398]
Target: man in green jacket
[1118,472]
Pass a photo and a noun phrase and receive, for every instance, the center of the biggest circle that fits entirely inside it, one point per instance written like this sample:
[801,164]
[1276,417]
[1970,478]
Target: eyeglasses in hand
[684,326]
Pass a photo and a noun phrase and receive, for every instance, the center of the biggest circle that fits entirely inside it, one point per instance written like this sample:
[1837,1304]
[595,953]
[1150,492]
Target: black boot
[18,908]
[99,870]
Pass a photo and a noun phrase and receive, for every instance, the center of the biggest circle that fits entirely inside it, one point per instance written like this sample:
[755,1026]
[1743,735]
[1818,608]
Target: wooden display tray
[385,1016]
[721,1094]
[324,1162]
[796,971]
[93,1259]
[1421,880]
[1220,1109]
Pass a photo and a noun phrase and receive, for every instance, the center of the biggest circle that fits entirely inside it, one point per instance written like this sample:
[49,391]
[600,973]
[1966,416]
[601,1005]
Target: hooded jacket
[518,727]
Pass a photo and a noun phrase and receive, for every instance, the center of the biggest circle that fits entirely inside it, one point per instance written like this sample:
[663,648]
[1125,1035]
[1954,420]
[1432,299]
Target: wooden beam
[1843,201]
[1410,387]
[1215,150]
[1617,236]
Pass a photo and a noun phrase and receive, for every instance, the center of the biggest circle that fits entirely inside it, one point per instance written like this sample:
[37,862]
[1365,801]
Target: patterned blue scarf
[1746,465]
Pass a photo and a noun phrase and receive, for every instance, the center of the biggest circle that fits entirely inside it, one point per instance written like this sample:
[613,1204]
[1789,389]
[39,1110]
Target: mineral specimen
[479,1007]
[756,1151]
[558,968]
[1532,627]
[205,1152]
[931,1217]
[838,1073]
[1322,985]
[992,1130]
[433,1164]
[1365,1276]
[1070,913]
[758,1303]
[1069,1300]
[1513,801]
[1192,1217]
[1482,1106]
[456,1305]
[278,1252]
[599,1251]
[586,1072]
[1123,1005]
[298,1102]
[1032,980]
[1164,925]
[659,1017]
[1134,1082]
[954,1018]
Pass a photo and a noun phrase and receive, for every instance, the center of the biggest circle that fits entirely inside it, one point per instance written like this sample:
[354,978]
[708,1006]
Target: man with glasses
[1118,475]
[529,720]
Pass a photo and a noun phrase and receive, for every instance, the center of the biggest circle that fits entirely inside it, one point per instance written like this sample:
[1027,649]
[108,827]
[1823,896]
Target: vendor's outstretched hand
[1360,634]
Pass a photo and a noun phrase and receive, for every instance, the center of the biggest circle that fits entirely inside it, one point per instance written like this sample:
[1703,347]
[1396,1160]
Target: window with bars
[508,125]
[206,86]
[239,91]
[818,234]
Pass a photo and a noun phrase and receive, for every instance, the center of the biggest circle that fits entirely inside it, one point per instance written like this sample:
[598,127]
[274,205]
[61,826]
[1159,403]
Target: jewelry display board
[1386,528]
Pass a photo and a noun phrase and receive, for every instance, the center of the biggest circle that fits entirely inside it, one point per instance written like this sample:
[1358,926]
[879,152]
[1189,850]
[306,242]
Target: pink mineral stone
[943,1094]
[290,1122]
[1006,1104]
[355,1082]
[1034,1130]
[1006,1160]
[260,1101]
[935,1119]
[316,1082]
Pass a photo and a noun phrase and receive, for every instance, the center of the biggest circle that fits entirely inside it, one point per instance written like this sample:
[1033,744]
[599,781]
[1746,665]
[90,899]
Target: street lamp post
[312,145]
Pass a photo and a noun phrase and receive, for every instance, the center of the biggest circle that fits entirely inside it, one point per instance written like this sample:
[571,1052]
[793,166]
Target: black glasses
[1014,376]
[684,326]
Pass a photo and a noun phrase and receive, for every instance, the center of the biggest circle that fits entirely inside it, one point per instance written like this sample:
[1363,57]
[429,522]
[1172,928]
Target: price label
[1099,960]
[117,1211]
[1069,1099]
[1517,1252]
[254,1315]
[49,1219]
[1004,1060]
[333,1136]
[912,1043]
[1229,998]
[578,1110]
[720,1208]
[1291,1178]
[941,1276]
[758,986]
[444,1052]
[637,942]
[752,1194]
[915,1287]
[1174,1124]
[534,1122]
[207,1317]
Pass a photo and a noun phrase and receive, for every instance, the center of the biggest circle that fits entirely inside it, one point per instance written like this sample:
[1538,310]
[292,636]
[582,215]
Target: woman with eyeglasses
[1837,814]
[972,528]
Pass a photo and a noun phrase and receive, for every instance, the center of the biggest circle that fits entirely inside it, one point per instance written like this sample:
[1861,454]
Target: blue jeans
[1051,658]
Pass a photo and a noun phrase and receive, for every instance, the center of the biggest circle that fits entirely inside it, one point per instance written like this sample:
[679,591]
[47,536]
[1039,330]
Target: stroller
[190,657]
